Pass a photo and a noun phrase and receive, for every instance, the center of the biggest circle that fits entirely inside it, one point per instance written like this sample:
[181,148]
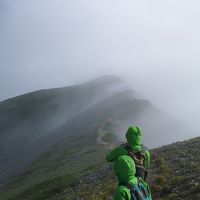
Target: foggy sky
[153,44]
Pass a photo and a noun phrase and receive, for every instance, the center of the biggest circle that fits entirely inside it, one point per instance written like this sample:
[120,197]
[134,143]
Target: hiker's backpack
[139,191]
[139,159]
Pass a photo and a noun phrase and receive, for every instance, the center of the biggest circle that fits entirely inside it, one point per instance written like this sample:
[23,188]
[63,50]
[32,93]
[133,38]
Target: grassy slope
[174,174]
[77,169]
[177,175]
[62,166]
[27,122]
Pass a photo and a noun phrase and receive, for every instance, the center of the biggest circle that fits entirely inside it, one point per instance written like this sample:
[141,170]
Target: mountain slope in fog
[75,168]
[30,124]
[27,122]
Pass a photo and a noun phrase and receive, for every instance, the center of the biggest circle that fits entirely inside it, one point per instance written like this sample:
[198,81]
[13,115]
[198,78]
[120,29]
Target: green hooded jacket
[134,139]
[125,171]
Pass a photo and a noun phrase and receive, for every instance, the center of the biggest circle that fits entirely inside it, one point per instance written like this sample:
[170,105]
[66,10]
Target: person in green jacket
[134,149]
[125,171]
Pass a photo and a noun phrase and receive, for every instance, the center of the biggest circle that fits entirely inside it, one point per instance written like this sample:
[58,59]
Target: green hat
[134,138]
[124,168]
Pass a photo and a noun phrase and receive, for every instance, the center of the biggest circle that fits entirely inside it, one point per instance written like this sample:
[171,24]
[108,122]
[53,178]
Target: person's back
[129,186]
[134,149]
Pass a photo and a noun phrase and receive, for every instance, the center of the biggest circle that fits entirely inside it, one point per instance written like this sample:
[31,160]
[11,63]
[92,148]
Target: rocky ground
[174,174]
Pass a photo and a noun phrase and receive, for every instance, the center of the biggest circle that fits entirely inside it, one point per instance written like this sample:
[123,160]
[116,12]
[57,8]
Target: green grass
[77,169]
[46,189]
[177,171]
[56,170]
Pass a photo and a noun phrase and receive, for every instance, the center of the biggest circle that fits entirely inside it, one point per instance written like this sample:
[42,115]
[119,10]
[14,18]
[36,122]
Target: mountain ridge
[50,135]
[37,114]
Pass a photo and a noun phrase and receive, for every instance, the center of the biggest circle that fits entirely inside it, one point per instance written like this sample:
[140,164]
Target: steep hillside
[77,170]
[174,174]
[176,169]
[29,123]
[65,164]
[53,142]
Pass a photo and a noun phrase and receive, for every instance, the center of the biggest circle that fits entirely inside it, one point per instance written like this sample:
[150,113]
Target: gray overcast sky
[154,44]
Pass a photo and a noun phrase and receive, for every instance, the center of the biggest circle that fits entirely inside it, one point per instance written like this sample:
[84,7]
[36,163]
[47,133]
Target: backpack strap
[143,189]
[139,160]
[139,157]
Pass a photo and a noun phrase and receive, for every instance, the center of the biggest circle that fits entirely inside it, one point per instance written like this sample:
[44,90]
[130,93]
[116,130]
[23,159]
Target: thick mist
[154,46]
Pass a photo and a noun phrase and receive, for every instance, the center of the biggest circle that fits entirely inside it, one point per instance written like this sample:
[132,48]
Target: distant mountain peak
[107,79]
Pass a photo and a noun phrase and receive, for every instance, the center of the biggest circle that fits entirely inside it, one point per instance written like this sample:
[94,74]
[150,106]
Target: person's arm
[148,159]
[115,153]
[122,194]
